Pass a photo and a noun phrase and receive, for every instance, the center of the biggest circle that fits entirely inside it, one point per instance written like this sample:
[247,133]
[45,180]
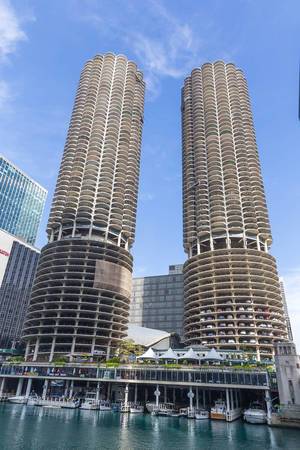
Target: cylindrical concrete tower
[80,298]
[231,287]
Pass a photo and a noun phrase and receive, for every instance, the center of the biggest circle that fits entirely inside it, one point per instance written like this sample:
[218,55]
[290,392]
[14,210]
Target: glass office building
[22,202]
[157,301]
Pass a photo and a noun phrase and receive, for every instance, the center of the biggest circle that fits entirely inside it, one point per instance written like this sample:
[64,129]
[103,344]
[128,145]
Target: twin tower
[81,294]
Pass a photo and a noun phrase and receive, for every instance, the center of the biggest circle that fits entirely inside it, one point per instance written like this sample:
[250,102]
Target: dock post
[157,394]
[28,387]
[2,384]
[126,394]
[20,386]
[45,389]
[191,396]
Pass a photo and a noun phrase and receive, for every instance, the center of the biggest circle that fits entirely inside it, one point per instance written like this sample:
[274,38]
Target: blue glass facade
[22,202]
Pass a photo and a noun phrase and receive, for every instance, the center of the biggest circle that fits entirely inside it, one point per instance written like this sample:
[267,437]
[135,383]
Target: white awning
[169,354]
[190,354]
[212,355]
[149,354]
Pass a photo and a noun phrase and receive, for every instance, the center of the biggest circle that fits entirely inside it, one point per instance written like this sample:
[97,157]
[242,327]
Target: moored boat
[105,405]
[218,411]
[201,414]
[90,402]
[21,399]
[255,414]
[136,408]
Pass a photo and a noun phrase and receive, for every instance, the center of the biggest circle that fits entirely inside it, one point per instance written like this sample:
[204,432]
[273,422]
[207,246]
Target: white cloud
[5,93]
[11,32]
[164,45]
[291,281]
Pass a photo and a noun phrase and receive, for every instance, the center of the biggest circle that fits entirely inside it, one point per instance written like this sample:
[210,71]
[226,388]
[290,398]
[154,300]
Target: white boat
[201,414]
[136,408]
[21,399]
[33,400]
[162,408]
[255,414]
[90,402]
[105,405]
[59,403]
[183,412]
[218,411]
[166,409]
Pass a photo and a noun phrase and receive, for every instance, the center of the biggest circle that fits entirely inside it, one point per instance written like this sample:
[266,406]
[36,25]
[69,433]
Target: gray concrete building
[19,261]
[157,301]
[286,311]
[232,294]
[81,294]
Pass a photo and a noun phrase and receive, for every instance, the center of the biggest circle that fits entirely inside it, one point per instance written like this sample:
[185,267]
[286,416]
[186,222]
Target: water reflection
[34,428]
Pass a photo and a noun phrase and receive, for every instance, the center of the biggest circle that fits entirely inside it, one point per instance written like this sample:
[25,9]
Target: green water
[34,428]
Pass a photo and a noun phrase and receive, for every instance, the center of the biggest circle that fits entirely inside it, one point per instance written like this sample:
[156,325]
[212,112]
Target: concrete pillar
[174,396]
[36,349]
[108,351]
[269,405]
[231,399]
[67,385]
[165,394]
[258,243]
[2,384]
[237,403]
[27,350]
[52,349]
[126,394]
[20,386]
[45,389]
[28,387]
[198,246]
[71,389]
[146,394]
[227,401]
[108,392]
[98,391]
[204,399]
[157,394]
[197,397]
[135,393]
[209,397]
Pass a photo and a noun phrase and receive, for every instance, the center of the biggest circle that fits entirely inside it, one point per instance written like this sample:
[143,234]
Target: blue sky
[44,44]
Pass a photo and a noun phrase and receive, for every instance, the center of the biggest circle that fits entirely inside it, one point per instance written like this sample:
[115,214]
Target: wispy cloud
[11,34]
[291,281]
[166,46]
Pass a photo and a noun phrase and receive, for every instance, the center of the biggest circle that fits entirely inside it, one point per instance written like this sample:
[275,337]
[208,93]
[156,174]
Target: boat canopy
[190,355]
[169,354]
[149,354]
[212,355]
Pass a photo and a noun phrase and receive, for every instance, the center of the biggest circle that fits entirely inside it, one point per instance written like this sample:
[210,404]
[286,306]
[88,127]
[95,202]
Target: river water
[35,428]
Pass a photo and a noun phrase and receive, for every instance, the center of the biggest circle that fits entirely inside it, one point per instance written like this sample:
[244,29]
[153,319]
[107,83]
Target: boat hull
[20,400]
[255,418]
